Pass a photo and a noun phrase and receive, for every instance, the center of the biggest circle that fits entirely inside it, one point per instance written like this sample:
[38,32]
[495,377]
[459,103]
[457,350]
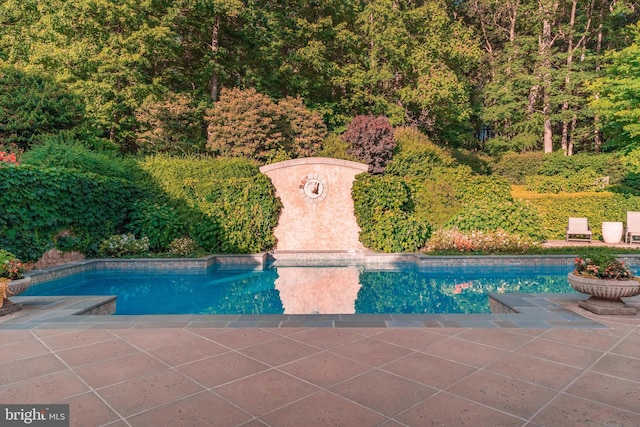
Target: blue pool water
[304,290]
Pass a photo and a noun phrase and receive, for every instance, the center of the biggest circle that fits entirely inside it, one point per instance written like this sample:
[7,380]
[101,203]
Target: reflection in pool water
[306,290]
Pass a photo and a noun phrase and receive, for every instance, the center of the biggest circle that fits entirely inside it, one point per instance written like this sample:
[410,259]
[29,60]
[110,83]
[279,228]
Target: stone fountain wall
[317,209]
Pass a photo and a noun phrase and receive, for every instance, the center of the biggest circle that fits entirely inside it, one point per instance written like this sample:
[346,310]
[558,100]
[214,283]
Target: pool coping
[510,310]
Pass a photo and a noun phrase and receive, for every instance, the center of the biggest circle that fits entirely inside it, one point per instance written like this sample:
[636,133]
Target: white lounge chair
[633,227]
[578,230]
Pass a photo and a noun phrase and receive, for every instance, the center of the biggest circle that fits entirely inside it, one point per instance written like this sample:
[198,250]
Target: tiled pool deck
[553,364]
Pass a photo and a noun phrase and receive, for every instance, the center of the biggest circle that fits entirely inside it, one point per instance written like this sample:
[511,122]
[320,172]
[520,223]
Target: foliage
[226,203]
[248,211]
[183,247]
[452,240]
[8,158]
[585,180]
[303,130]
[33,105]
[515,166]
[371,140]
[479,163]
[416,155]
[384,211]
[602,267]
[248,124]
[38,203]
[616,93]
[75,156]
[191,178]
[335,147]
[160,223]
[514,217]
[555,209]
[172,124]
[608,164]
[120,245]
[10,266]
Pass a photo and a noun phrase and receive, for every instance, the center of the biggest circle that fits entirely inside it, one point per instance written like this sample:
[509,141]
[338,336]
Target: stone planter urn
[9,288]
[606,295]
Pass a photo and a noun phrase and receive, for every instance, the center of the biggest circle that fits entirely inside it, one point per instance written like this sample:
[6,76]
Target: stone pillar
[317,209]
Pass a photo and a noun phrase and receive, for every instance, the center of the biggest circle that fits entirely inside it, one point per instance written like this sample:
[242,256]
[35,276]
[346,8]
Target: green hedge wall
[226,205]
[554,210]
[384,210]
[38,203]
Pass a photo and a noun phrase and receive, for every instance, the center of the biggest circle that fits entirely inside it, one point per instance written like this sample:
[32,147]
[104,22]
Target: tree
[33,106]
[538,56]
[171,125]
[371,140]
[109,53]
[245,123]
[618,90]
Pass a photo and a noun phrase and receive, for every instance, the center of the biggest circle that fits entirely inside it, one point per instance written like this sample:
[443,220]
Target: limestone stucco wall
[326,222]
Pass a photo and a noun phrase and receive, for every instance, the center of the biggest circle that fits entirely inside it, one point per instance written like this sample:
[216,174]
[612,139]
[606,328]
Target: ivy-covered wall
[38,203]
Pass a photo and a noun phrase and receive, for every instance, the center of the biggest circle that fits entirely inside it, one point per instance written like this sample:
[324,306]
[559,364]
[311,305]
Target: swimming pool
[407,289]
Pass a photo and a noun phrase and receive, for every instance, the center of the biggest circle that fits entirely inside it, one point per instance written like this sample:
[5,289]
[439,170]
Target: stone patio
[164,374]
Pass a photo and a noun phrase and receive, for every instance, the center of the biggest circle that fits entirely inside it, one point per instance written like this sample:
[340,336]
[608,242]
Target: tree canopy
[492,75]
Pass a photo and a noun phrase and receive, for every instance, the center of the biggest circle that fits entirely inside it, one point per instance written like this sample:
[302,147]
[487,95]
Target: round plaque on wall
[314,188]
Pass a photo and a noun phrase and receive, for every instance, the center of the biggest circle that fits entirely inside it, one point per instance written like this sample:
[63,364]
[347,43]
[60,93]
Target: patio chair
[578,230]
[633,227]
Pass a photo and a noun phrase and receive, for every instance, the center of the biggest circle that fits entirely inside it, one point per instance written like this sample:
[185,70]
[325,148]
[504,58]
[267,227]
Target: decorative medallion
[314,188]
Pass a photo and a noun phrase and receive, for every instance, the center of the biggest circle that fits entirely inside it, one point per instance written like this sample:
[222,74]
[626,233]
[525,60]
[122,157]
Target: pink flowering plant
[602,267]
[8,158]
[10,266]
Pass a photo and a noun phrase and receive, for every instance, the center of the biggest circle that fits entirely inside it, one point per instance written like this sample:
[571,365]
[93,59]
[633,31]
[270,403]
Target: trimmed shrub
[609,164]
[192,178]
[516,167]
[228,205]
[554,210]
[584,180]
[371,140]
[396,231]
[248,212]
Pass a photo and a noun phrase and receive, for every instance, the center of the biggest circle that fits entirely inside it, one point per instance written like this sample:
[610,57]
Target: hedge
[227,205]
[554,210]
[39,203]
[384,210]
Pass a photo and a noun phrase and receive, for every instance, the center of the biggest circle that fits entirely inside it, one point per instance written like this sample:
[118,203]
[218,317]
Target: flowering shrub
[8,158]
[10,266]
[602,267]
[183,246]
[124,244]
[454,240]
